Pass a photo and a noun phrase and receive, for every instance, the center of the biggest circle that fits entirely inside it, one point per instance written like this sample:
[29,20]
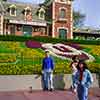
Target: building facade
[52,18]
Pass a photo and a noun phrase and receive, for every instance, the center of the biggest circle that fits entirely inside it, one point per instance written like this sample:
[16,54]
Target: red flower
[33,44]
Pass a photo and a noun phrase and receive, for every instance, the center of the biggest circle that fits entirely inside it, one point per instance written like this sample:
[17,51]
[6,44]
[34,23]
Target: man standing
[47,71]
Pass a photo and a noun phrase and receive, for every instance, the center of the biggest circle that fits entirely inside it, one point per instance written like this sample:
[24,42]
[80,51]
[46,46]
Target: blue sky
[91,9]
[88,7]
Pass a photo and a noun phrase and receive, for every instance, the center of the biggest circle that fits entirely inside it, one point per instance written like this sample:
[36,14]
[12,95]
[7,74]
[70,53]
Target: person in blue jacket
[47,71]
[82,81]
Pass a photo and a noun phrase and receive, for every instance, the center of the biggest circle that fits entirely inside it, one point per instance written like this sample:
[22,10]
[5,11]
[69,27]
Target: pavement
[94,94]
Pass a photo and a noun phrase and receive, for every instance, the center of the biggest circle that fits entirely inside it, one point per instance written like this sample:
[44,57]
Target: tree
[78,19]
[4,0]
[46,1]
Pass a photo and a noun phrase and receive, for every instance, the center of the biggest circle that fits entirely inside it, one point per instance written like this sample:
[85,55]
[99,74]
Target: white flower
[60,52]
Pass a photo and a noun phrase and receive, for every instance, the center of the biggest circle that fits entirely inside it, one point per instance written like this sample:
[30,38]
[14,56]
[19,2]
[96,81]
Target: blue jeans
[48,80]
[73,81]
[82,92]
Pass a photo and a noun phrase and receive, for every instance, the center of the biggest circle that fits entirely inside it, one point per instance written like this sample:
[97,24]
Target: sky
[88,7]
[91,9]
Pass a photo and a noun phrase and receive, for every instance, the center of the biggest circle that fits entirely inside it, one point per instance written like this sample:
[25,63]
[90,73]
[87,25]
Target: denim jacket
[86,81]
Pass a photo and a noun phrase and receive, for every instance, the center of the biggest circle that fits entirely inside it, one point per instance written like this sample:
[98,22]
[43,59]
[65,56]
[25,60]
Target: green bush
[20,69]
[7,58]
[11,69]
[94,67]
[45,39]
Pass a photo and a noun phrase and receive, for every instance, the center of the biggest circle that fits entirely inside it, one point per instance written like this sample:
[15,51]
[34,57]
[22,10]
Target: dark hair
[46,51]
[84,65]
[73,62]
[75,58]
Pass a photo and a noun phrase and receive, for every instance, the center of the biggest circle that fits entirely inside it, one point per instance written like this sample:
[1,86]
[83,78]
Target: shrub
[7,58]
[22,69]
[46,39]
[94,67]
[96,50]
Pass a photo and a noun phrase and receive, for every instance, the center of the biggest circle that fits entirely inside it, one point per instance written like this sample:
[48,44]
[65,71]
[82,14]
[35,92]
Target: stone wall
[24,82]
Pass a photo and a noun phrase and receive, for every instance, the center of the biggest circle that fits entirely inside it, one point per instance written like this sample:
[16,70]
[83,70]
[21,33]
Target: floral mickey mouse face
[66,52]
[63,51]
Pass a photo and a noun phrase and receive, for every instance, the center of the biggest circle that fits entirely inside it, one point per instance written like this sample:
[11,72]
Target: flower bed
[7,58]
[30,57]
[33,44]
[66,52]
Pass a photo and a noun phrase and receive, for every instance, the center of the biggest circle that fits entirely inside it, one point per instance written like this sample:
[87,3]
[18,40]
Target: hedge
[46,39]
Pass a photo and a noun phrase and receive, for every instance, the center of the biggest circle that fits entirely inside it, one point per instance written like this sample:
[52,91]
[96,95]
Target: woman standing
[82,81]
[73,67]
[74,70]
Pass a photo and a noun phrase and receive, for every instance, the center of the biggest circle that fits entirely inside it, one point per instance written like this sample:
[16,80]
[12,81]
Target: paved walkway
[94,94]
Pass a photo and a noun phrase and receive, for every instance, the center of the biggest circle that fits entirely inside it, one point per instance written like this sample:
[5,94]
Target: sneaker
[51,90]
[45,89]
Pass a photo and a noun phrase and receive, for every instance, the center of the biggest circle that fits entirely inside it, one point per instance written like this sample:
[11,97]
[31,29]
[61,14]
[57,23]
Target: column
[1,24]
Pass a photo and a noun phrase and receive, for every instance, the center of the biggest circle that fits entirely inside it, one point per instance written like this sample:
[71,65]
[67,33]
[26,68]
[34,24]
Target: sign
[28,23]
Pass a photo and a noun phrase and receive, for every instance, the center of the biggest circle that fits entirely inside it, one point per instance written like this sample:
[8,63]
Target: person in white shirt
[73,67]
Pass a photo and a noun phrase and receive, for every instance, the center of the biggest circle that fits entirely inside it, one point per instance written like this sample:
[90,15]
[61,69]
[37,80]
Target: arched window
[27,11]
[13,10]
[62,13]
[42,15]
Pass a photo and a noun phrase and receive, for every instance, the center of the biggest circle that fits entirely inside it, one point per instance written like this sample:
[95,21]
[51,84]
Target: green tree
[46,1]
[78,19]
[4,0]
